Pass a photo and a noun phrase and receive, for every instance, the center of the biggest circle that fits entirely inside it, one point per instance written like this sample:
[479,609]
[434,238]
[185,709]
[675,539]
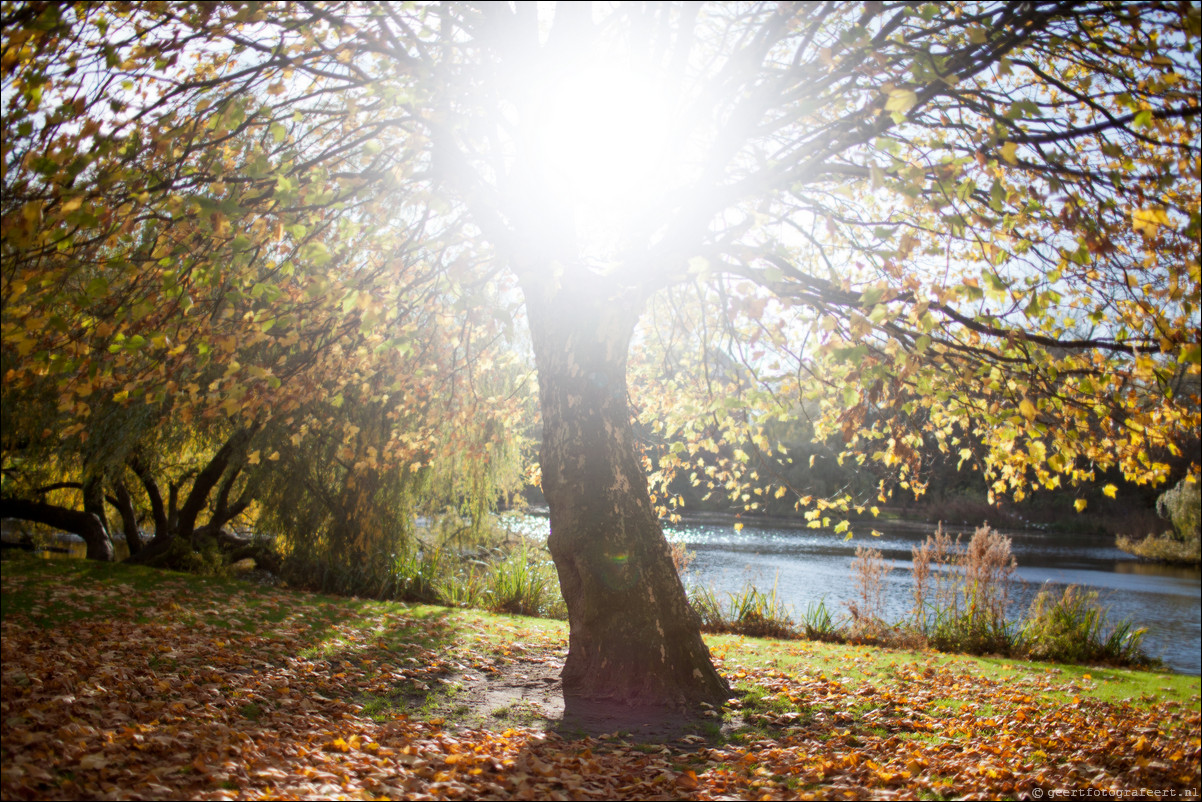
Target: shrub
[682,558]
[1072,628]
[1163,548]
[204,559]
[1182,507]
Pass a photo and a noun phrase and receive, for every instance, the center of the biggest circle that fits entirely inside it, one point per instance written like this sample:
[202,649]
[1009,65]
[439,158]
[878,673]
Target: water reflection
[1153,569]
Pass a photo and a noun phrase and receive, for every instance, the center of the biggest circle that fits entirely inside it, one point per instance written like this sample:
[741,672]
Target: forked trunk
[635,643]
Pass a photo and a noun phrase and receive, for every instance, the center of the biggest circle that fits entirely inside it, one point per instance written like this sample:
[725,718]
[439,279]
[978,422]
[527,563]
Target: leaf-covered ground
[121,682]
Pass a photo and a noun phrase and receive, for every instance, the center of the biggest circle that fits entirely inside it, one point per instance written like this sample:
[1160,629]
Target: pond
[807,566]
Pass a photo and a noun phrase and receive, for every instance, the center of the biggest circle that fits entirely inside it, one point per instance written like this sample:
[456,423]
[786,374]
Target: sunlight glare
[601,136]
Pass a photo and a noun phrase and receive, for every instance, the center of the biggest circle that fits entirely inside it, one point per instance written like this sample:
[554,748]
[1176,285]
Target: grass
[856,666]
[54,594]
[749,611]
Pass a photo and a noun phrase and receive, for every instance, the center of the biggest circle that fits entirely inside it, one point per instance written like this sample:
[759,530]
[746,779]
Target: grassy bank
[123,681]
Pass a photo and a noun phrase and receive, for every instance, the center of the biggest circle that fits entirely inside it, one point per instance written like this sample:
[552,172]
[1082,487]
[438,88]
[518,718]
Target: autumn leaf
[900,101]
[1149,221]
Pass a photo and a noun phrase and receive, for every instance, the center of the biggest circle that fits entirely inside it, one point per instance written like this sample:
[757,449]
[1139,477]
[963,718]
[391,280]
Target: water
[808,566]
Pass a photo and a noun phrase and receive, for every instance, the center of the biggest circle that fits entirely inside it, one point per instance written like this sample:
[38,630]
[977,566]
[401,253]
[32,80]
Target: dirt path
[528,692]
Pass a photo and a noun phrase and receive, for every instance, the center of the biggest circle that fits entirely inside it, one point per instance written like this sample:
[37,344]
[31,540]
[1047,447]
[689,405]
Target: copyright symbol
[1037,793]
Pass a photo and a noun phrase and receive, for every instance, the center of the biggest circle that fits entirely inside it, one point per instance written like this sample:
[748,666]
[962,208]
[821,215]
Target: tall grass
[960,597]
[750,612]
[869,572]
[961,594]
[465,587]
[413,575]
[817,623]
[525,583]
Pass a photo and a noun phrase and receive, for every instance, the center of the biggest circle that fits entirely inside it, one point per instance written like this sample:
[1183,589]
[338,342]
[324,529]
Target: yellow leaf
[901,100]
[1110,490]
[32,212]
[1147,221]
[1080,504]
[1008,152]
[1027,409]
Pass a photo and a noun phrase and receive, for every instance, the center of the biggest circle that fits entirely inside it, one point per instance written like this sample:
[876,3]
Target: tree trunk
[84,524]
[93,503]
[635,643]
[129,518]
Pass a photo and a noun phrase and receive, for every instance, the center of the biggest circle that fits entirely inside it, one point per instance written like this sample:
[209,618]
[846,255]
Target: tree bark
[129,518]
[158,511]
[208,478]
[93,502]
[635,643]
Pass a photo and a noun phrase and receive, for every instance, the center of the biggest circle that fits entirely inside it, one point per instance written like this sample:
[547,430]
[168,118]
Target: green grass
[362,634]
[857,665]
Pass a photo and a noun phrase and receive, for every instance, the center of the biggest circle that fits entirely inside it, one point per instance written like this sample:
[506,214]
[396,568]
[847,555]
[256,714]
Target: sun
[601,133]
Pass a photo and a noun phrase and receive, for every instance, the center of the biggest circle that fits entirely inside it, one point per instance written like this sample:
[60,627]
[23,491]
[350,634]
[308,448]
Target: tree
[973,223]
[182,310]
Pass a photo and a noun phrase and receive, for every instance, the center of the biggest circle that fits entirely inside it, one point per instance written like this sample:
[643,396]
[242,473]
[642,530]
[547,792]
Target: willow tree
[933,220]
[189,326]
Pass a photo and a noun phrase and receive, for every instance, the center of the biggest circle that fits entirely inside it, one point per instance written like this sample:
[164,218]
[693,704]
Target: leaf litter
[195,690]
